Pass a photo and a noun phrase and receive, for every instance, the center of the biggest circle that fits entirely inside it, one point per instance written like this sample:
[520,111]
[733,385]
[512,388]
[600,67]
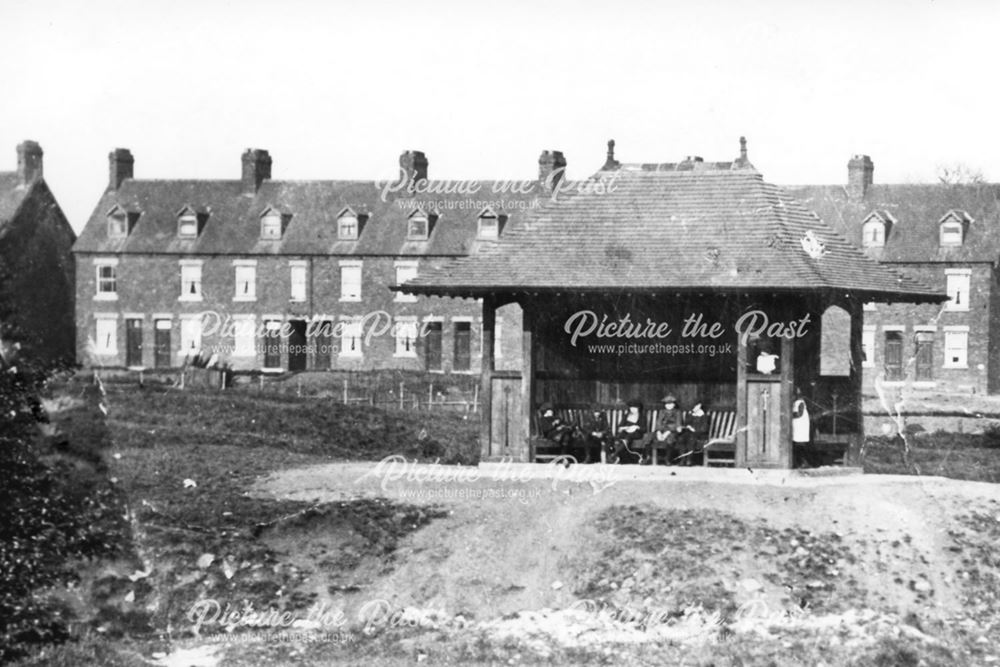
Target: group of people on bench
[681,434]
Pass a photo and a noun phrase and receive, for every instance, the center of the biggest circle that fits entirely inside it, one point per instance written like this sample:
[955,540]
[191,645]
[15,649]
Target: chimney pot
[120,166]
[551,169]
[256,169]
[29,162]
[610,162]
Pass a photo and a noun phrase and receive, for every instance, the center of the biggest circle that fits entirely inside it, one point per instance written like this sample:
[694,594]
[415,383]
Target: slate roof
[233,225]
[11,196]
[710,228]
[917,211]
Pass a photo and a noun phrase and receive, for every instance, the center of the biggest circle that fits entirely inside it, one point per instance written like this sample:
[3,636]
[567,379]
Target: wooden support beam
[487,367]
[527,380]
[856,309]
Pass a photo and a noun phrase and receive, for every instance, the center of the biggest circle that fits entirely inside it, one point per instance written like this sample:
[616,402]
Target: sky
[338,90]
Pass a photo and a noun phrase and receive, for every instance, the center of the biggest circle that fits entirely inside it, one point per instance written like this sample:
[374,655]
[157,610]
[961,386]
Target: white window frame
[268,230]
[106,335]
[406,337]
[99,293]
[245,276]
[186,219]
[343,222]
[873,224]
[868,347]
[956,343]
[244,336]
[944,231]
[298,276]
[410,267]
[118,224]
[191,335]
[958,282]
[418,217]
[191,273]
[349,267]
[351,338]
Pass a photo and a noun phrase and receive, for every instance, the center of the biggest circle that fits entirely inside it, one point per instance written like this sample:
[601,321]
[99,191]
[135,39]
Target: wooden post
[345,391]
[298,388]
[742,406]
[853,454]
[430,394]
[485,388]
[402,388]
[527,380]
[787,360]
[475,399]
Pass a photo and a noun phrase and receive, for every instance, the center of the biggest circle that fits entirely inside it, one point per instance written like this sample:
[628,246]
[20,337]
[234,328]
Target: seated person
[630,435]
[668,429]
[695,435]
[596,435]
[555,429]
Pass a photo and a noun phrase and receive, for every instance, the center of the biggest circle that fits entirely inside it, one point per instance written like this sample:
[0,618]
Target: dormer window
[419,226]
[490,225]
[349,225]
[189,223]
[953,227]
[875,229]
[273,224]
[121,222]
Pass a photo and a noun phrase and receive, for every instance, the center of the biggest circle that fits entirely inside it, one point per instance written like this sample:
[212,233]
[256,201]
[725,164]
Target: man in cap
[668,428]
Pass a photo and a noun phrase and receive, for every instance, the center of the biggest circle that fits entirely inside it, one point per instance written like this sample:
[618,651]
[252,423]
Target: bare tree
[960,174]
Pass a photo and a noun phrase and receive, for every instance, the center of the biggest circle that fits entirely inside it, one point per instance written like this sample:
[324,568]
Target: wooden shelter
[693,278]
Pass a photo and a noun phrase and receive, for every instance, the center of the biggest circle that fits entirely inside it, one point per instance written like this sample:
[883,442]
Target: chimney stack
[120,164]
[412,167]
[860,170]
[551,169]
[29,162]
[256,169]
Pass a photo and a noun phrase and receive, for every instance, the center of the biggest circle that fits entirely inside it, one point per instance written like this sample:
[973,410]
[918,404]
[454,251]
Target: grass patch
[974,457]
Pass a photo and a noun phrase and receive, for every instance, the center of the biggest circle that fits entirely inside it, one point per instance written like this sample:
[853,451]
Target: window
[956,349]
[187,226]
[489,225]
[462,360]
[244,335]
[958,288]
[868,348]
[406,338]
[190,280]
[107,280]
[350,342]
[418,227]
[118,225]
[873,234]
[270,226]
[893,355]
[246,282]
[951,233]
[835,342]
[405,271]
[297,270]
[106,332]
[350,281]
[190,336]
[347,226]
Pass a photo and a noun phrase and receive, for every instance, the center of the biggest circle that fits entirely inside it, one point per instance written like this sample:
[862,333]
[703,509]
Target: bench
[721,432]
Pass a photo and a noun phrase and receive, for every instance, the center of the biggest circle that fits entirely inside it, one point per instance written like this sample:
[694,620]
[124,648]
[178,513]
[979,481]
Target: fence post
[182,377]
[430,395]
[475,399]
[345,391]
[298,388]
[402,388]
[261,385]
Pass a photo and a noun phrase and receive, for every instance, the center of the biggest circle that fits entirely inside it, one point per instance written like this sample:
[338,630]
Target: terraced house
[287,275]
[944,235]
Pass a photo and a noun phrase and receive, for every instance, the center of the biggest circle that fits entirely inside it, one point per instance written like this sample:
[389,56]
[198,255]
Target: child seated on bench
[555,429]
[668,430]
[630,435]
[596,435]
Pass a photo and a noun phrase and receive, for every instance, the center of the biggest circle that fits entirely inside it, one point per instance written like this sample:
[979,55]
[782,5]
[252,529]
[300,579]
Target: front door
[925,355]
[133,342]
[272,344]
[893,355]
[506,438]
[765,448]
[161,343]
[297,345]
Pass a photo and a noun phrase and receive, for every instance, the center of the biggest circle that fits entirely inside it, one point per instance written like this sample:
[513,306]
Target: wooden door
[764,444]
[161,343]
[925,355]
[297,345]
[432,346]
[507,438]
[893,355]
[133,342]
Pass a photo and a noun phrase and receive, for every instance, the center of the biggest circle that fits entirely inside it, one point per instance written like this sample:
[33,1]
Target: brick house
[287,275]
[36,263]
[946,236]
